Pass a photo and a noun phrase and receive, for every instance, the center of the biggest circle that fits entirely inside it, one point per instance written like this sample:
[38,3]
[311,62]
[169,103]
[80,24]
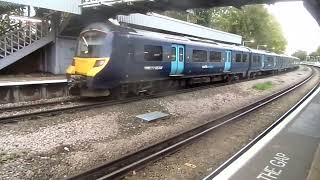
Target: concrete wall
[12,94]
[53,58]
[59,55]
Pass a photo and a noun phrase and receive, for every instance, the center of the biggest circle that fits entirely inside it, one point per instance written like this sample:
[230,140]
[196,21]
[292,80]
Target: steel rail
[33,105]
[85,106]
[261,135]
[120,167]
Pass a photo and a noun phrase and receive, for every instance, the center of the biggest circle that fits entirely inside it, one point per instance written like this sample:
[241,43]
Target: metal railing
[22,37]
[93,3]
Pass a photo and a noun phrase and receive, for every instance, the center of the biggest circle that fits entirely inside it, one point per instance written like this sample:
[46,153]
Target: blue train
[119,60]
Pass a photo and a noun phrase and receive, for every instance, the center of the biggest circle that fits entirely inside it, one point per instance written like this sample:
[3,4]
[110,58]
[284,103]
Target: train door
[227,62]
[177,60]
[262,61]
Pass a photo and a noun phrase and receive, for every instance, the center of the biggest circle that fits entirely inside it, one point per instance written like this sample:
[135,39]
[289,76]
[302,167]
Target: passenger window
[254,59]
[259,59]
[215,56]
[181,56]
[238,57]
[244,57]
[173,54]
[199,56]
[152,53]
[269,60]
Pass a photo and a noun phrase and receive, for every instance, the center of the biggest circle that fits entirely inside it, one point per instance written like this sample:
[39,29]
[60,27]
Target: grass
[263,86]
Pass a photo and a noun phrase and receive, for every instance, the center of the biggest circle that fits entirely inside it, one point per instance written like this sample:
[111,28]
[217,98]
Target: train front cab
[92,56]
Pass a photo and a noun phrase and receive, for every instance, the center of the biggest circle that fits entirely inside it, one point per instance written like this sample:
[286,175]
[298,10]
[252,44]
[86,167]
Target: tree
[203,17]
[6,24]
[318,51]
[315,55]
[302,55]
[251,22]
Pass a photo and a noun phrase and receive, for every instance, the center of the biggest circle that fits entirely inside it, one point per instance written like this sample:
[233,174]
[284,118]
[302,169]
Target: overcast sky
[300,29]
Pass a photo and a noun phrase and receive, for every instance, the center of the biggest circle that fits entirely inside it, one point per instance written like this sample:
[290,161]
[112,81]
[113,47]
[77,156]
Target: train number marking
[274,168]
[153,67]
[206,66]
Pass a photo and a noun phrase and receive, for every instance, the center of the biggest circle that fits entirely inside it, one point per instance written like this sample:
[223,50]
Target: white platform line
[21,83]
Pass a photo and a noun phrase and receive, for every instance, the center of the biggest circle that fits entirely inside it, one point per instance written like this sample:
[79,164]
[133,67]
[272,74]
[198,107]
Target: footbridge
[132,6]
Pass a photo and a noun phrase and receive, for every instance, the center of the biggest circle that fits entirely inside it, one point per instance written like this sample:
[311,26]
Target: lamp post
[263,45]
[251,41]
[189,11]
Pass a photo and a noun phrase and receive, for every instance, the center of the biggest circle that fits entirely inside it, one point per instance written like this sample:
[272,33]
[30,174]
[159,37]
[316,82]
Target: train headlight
[99,63]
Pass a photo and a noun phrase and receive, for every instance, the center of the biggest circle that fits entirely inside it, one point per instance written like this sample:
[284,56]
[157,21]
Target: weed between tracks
[263,86]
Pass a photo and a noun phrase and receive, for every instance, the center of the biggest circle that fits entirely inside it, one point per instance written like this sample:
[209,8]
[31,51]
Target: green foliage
[7,25]
[202,17]
[318,50]
[263,86]
[182,15]
[300,54]
[251,22]
[315,54]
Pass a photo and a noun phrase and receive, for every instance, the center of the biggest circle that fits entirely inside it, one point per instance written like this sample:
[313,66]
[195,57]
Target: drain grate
[157,115]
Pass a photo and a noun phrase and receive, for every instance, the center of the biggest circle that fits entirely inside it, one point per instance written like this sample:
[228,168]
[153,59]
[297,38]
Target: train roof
[262,52]
[164,23]
[235,47]
[109,26]
[190,40]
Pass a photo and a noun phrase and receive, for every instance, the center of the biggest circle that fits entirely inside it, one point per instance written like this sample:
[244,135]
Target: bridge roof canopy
[142,6]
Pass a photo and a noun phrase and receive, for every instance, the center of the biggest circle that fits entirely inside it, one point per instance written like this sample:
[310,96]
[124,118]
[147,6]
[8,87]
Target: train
[118,60]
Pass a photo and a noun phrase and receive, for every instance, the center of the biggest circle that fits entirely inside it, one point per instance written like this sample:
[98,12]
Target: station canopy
[164,23]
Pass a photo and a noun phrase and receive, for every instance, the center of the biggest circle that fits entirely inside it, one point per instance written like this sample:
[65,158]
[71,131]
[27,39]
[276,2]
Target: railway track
[35,105]
[261,135]
[53,108]
[128,163]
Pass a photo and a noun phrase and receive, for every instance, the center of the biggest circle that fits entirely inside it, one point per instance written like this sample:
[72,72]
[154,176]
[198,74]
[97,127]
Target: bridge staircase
[23,40]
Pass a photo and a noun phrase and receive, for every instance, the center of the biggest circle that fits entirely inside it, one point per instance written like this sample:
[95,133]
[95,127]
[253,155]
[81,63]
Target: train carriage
[256,62]
[120,60]
[239,60]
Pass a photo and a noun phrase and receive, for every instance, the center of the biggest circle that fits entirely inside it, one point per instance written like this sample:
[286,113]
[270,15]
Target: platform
[19,88]
[36,79]
[290,151]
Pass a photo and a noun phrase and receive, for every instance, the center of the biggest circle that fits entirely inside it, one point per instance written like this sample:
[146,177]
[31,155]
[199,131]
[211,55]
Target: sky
[299,28]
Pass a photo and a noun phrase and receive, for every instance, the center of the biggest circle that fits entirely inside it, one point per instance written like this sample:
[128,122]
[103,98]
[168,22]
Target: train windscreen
[93,44]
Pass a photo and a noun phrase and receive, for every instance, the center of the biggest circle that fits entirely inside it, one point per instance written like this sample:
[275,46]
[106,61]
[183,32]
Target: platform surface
[30,79]
[289,152]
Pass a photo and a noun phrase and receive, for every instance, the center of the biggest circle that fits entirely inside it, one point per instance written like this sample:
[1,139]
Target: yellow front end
[87,66]
[83,70]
